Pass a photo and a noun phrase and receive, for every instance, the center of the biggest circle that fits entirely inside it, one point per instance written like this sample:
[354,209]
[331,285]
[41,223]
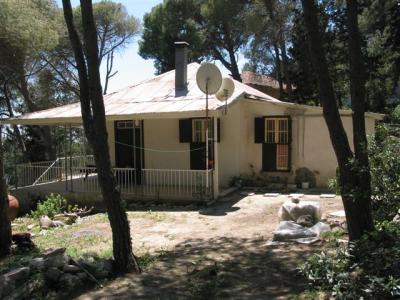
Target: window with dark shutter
[185,130]
[259,125]
[276,143]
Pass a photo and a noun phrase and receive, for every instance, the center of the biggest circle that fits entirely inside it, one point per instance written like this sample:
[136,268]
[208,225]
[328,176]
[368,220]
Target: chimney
[181,53]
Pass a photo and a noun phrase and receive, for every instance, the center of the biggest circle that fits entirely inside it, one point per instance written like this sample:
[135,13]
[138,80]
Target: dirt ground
[215,252]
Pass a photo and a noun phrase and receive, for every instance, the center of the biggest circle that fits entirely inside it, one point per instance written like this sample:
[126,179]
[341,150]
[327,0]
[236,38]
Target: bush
[384,153]
[305,175]
[54,204]
[333,183]
[368,268]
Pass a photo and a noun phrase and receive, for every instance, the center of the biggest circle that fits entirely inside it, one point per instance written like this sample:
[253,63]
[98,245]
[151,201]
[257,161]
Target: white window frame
[274,128]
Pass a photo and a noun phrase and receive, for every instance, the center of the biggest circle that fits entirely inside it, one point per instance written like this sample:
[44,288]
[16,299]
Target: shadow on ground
[222,268]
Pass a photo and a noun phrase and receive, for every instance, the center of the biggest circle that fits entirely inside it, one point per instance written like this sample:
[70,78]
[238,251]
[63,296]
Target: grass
[151,215]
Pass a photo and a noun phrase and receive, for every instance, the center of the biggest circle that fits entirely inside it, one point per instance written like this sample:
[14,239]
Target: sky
[132,68]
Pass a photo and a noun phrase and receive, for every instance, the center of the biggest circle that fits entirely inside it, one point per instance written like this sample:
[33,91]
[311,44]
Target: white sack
[290,211]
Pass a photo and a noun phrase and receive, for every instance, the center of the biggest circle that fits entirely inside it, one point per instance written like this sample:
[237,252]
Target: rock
[305,220]
[52,276]
[17,275]
[38,263]
[69,219]
[58,224]
[69,282]
[45,222]
[30,226]
[100,269]
[55,258]
[13,207]
[71,269]
[82,276]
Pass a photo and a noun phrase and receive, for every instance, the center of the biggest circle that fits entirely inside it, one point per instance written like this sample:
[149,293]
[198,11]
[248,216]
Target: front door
[129,148]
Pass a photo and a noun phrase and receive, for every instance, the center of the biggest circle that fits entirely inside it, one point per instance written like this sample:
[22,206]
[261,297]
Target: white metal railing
[78,174]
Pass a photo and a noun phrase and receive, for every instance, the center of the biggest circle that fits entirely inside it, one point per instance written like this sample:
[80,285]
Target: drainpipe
[216,166]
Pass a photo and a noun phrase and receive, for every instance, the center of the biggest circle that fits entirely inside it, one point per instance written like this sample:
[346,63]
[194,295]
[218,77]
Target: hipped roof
[152,98]
[156,98]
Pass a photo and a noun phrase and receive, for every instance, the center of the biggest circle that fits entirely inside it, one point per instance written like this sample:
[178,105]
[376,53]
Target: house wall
[163,134]
[311,145]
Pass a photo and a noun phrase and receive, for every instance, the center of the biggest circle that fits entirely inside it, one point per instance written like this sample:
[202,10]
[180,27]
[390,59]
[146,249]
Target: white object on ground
[271,195]
[297,195]
[290,211]
[340,214]
[289,231]
[327,196]
[247,193]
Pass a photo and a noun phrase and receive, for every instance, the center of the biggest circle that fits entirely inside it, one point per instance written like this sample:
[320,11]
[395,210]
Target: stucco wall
[163,134]
[238,154]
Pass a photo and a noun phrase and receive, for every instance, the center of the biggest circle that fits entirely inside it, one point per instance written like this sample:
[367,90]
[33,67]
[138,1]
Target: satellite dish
[208,78]
[226,89]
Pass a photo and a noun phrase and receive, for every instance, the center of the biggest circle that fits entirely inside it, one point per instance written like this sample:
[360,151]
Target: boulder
[37,263]
[66,219]
[69,282]
[45,222]
[305,220]
[290,211]
[55,257]
[52,276]
[72,269]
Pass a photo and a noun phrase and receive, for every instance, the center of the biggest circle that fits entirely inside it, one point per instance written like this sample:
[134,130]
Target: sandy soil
[215,252]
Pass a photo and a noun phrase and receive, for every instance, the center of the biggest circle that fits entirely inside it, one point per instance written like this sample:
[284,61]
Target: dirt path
[217,252]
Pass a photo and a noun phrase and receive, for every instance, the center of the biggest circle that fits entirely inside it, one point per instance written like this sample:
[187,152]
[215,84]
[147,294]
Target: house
[263,83]
[156,134]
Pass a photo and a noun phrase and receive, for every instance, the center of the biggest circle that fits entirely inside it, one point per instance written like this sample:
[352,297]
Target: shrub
[368,268]
[54,204]
[305,175]
[384,153]
[333,183]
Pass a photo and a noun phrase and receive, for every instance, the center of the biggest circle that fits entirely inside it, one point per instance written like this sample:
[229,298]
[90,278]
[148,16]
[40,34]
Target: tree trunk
[358,99]
[278,70]
[285,63]
[5,224]
[358,213]
[94,123]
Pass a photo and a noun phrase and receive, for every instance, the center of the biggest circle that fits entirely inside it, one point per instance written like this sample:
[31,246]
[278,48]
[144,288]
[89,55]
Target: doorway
[129,152]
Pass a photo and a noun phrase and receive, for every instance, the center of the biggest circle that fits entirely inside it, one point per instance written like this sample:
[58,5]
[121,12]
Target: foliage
[305,175]
[333,183]
[384,153]
[395,115]
[54,204]
[368,268]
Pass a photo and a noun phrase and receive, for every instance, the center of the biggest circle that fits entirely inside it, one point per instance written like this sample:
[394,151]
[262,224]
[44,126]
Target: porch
[79,175]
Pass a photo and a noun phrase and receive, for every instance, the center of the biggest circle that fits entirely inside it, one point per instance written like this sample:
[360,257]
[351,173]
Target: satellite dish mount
[209,80]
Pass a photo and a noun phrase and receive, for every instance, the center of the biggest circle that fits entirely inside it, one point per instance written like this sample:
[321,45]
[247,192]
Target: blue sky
[131,67]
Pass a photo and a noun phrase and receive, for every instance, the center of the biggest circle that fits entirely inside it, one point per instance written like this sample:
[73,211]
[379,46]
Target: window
[199,130]
[276,143]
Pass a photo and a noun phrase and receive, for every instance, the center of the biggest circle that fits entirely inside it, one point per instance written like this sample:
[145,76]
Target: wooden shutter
[269,157]
[185,130]
[259,130]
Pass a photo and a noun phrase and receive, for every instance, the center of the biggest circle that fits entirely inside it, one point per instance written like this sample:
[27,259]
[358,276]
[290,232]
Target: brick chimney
[181,53]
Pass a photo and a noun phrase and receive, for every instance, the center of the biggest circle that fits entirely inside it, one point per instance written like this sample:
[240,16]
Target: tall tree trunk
[358,99]
[234,67]
[285,63]
[278,70]
[358,213]
[94,123]
[5,224]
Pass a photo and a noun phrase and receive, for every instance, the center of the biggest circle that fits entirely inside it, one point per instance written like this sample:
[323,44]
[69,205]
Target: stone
[305,220]
[55,257]
[52,276]
[66,219]
[69,282]
[23,241]
[13,208]
[45,222]
[58,224]
[72,269]
[37,263]
[17,275]
[100,269]
[31,226]
[82,276]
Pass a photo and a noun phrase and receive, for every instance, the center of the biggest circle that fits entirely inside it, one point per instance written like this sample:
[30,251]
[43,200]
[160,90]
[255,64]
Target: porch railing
[79,175]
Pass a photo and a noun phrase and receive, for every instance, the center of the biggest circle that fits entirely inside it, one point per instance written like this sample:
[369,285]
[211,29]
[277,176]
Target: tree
[213,28]
[115,29]
[223,23]
[5,224]
[167,23]
[356,201]
[94,122]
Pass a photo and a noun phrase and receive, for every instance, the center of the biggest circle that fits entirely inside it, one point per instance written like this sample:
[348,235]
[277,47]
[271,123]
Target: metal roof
[152,96]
